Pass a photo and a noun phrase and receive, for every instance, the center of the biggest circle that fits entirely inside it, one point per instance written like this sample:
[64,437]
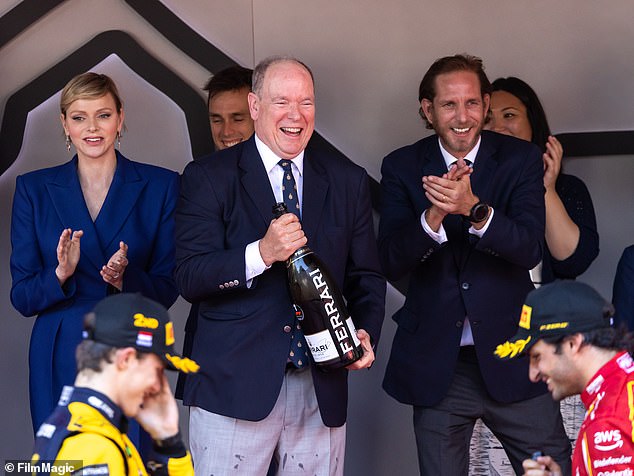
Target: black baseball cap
[559,308]
[132,320]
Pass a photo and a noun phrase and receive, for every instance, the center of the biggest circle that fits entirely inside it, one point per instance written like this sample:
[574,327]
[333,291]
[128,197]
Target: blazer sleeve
[403,243]
[516,231]
[204,258]
[578,203]
[623,290]
[35,287]
[156,281]
[364,285]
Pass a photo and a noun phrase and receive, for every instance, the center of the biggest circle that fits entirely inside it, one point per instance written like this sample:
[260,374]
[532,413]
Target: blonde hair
[89,86]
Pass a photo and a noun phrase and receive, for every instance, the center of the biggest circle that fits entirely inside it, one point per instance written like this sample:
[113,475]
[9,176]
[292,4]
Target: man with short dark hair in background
[228,106]
[566,329]
[463,213]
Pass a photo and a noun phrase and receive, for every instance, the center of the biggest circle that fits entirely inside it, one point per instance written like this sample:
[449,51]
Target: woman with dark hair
[572,241]
[96,225]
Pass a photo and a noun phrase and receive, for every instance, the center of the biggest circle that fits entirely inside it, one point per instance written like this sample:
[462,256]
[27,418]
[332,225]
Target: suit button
[465,286]
[226,285]
[236,282]
[222,286]
[458,323]
[287,329]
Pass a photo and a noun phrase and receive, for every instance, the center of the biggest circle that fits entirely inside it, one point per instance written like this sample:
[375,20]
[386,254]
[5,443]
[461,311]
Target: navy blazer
[486,278]
[138,209]
[239,339]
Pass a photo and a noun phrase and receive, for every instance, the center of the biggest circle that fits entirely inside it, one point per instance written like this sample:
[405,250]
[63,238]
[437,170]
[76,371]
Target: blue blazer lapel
[484,168]
[432,162]
[127,185]
[255,181]
[70,206]
[315,188]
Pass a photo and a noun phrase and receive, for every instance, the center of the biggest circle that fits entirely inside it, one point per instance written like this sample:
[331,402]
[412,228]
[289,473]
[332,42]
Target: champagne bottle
[328,328]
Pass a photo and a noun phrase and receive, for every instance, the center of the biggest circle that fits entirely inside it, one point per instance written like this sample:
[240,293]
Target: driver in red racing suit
[566,329]
[605,443]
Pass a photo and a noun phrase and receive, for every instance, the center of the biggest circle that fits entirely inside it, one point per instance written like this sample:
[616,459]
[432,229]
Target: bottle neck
[298,254]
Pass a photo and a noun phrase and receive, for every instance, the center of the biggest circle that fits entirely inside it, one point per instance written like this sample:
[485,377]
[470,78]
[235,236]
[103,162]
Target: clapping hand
[449,194]
[112,273]
[67,254]
[552,162]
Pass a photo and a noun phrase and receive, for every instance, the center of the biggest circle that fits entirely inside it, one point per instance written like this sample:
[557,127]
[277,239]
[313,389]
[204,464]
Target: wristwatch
[479,212]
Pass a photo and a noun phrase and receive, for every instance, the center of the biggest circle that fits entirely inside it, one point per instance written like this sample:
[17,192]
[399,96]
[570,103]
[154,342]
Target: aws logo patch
[608,440]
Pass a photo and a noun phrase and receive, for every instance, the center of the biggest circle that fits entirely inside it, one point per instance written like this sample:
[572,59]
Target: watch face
[479,212]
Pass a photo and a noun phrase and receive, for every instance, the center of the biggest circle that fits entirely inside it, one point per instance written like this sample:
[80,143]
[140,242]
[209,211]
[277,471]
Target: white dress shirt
[253,260]
[441,235]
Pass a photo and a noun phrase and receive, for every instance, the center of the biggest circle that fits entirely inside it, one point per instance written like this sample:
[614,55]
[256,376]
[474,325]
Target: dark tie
[298,353]
[289,188]
[453,164]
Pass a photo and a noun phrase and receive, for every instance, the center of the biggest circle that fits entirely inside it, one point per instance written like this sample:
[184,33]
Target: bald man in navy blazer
[468,236]
[250,400]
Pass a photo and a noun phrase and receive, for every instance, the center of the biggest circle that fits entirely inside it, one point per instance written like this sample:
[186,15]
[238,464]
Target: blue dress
[138,210]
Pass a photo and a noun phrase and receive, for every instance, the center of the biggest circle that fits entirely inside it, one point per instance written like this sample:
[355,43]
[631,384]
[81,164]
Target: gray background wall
[368,57]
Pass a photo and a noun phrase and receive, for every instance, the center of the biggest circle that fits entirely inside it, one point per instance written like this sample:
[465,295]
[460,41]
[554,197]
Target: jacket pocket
[229,310]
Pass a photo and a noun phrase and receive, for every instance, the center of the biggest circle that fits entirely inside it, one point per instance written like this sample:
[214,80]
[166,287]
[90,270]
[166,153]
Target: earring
[118,140]
[68,143]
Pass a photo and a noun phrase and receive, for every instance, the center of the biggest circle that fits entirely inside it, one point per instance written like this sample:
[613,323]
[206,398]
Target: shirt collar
[450,159]
[621,362]
[270,160]
[100,402]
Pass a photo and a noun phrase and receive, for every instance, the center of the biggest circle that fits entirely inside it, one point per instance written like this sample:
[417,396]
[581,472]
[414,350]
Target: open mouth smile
[291,131]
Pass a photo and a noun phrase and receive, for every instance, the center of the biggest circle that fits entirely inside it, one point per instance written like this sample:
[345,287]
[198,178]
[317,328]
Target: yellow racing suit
[89,429]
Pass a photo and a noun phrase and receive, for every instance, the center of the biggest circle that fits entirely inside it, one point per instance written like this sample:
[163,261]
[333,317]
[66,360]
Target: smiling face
[457,111]
[142,378]
[557,370]
[229,117]
[283,110]
[92,125]
[508,116]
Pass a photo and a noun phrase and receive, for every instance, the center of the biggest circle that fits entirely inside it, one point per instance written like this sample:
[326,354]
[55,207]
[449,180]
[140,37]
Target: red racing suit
[605,445]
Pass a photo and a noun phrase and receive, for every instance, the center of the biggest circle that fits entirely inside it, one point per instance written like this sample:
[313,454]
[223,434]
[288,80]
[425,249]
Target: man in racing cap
[566,329]
[128,342]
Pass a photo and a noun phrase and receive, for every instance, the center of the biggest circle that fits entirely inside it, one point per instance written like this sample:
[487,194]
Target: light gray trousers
[292,435]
